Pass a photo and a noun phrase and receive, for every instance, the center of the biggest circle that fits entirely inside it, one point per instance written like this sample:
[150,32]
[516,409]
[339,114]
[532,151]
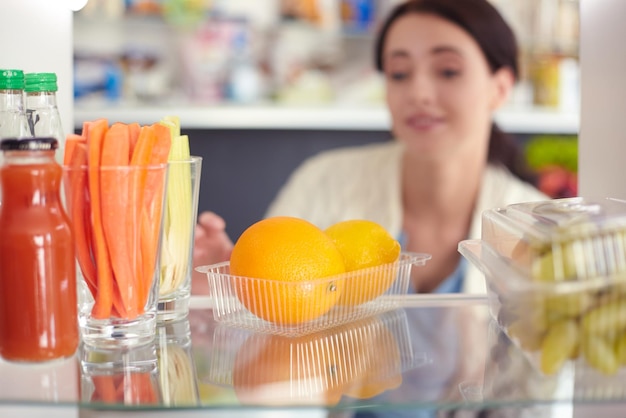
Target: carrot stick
[77,201]
[158,143]
[141,390]
[70,143]
[114,186]
[133,129]
[153,201]
[144,146]
[118,309]
[141,155]
[85,131]
[104,389]
[163,144]
[151,224]
[104,295]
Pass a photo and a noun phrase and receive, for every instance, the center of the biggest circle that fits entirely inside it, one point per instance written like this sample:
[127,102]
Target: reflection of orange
[277,370]
[380,361]
[360,359]
[292,255]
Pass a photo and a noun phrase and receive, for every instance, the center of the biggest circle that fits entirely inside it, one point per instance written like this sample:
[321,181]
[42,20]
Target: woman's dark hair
[482,21]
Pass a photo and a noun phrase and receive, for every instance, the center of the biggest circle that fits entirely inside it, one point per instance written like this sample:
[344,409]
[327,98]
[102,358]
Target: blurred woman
[448,66]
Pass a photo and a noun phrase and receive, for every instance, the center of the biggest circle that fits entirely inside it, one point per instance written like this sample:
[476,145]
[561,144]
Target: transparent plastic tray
[359,359]
[556,280]
[298,308]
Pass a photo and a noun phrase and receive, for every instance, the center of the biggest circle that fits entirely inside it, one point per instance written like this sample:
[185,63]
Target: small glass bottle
[13,122]
[42,112]
[12,114]
[38,304]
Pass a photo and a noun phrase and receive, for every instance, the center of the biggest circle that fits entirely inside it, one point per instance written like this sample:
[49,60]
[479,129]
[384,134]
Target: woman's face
[440,91]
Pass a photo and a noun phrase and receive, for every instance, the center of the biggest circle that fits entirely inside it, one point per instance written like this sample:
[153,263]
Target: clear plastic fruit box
[556,279]
[358,360]
[298,308]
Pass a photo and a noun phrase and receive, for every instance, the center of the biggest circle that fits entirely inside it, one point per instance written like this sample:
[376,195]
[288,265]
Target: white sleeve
[303,193]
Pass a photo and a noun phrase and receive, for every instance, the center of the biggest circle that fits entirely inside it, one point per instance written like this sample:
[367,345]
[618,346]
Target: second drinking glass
[180,216]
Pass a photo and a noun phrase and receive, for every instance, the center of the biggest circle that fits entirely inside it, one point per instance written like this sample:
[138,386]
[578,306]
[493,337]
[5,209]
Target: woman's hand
[211,245]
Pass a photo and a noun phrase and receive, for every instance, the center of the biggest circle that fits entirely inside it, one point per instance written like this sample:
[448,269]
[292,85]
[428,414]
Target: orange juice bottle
[38,305]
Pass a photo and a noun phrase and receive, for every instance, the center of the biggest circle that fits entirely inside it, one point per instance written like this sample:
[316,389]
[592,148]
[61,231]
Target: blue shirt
[452,283]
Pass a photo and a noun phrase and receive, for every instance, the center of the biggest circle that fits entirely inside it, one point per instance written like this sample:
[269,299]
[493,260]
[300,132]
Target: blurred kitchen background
[284,51]
[240,71]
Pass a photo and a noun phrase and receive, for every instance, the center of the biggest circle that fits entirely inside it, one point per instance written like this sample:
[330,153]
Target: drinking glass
[180,217]
[116,213]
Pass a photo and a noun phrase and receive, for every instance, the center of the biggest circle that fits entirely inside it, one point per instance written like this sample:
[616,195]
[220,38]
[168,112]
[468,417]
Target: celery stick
[178,228]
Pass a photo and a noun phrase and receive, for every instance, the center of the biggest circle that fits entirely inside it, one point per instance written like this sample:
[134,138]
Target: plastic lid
[40,82]
[11,79]
[561,219]
[29,144]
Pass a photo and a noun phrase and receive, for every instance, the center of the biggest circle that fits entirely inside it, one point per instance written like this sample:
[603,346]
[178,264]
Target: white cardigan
[364,183]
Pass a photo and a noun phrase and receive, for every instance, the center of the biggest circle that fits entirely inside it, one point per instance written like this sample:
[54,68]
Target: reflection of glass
[176,369]
[117,249]
[127,376]
[54,381]
[357,360]
[180,216]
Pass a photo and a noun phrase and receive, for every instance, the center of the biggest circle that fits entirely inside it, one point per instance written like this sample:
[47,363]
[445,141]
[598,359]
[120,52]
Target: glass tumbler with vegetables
[114,182]
[180,216]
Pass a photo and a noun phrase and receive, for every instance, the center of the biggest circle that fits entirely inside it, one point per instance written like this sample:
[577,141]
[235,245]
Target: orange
[364,244]
[283,263]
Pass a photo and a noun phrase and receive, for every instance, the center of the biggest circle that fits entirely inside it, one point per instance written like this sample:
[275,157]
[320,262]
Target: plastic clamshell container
[361,359]
[584,239]
[298,308]
[556,279]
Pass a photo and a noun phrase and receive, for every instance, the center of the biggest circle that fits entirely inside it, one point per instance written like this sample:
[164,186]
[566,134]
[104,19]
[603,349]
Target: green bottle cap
[40,82]
[11,79]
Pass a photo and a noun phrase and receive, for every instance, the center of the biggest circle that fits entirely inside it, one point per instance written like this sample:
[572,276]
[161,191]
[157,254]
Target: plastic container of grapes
[299,308]
[556,279]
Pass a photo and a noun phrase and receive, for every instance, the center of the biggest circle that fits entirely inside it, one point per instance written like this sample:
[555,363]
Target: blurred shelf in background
[293,64]
[373,118]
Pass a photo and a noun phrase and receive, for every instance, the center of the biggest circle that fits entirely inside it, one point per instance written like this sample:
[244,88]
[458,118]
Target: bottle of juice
[38,305]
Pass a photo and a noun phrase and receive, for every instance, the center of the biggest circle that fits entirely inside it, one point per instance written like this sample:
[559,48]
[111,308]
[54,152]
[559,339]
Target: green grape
[620,349]
[569,304]
[606,320]
[542,268]
[560,342]
[599,354]
[557,263]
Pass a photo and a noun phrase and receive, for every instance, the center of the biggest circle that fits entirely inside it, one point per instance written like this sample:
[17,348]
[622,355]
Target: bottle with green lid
[13,122]
[12,113]
[42,112]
